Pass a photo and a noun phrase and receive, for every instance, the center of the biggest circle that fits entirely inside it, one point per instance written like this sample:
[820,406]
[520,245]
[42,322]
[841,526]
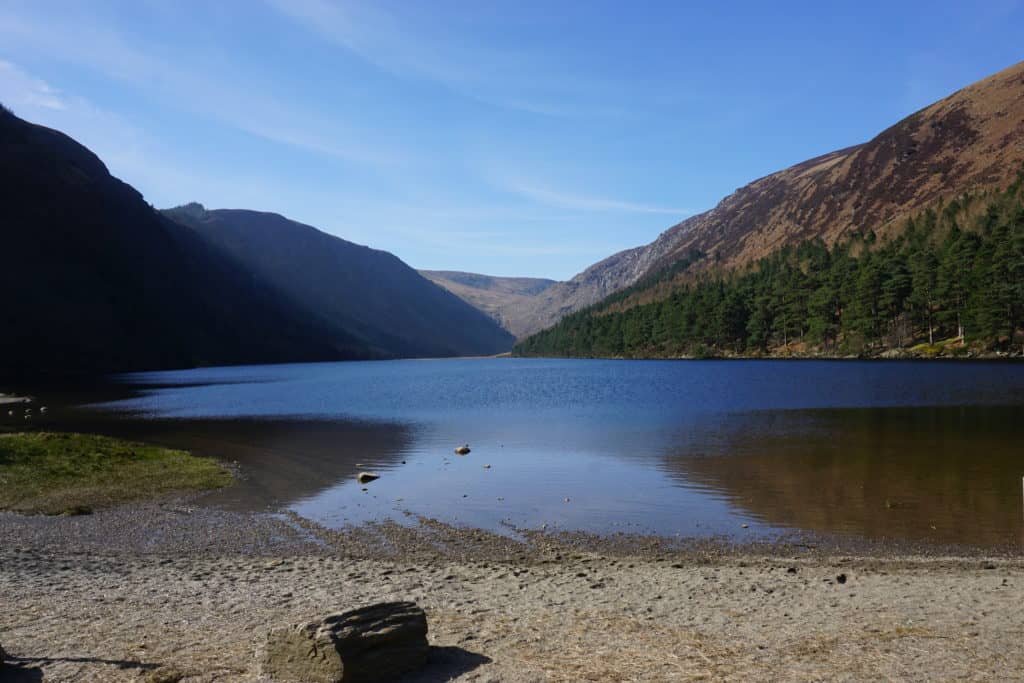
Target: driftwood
[376,643]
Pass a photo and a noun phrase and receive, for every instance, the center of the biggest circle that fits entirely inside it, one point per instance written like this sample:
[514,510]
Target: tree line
[953,272]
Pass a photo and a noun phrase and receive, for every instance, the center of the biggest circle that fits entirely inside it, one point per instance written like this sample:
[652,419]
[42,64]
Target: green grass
[944,347]
[56,473]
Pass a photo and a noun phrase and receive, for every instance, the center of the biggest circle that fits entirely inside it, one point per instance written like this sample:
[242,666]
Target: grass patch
[927,350]
[57,473]
[953,346]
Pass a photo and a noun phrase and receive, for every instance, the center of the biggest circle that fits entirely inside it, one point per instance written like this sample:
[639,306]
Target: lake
[911,451]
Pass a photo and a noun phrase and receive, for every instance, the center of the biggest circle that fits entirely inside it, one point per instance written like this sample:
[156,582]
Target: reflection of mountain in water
[283,461]
[939,474]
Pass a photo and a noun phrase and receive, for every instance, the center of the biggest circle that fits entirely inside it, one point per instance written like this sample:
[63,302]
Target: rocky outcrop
[377,643]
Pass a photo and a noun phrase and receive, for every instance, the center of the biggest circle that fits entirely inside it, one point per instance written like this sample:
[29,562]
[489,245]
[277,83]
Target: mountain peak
[191,209]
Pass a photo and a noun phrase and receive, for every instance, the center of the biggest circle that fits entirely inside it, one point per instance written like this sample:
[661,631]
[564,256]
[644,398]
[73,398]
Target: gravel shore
[172,591]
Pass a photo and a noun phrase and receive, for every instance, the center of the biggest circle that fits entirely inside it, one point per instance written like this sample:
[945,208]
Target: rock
[381,642]
[462,450]
[165,674]
[366,477]
[841,579]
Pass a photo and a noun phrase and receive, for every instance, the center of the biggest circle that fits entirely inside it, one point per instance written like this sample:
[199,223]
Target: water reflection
[282,461]
[948,475]
[687,448]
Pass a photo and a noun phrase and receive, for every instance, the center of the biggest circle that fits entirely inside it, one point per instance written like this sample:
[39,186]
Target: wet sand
[174,591]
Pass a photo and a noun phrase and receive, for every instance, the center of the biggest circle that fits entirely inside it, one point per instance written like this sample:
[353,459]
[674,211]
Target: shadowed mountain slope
[95,280]
[366,293]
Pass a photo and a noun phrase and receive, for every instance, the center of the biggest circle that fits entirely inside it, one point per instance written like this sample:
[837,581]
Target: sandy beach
[174,592]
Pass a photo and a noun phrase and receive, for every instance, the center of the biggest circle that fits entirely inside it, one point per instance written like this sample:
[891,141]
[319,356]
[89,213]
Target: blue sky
[510,138]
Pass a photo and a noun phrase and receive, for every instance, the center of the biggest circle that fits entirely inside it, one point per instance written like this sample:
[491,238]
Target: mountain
[365,293]
[93,279]
[971,140]
[950,282]
[508,300]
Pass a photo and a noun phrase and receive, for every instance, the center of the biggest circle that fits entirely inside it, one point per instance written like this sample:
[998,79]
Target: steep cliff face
[973,139]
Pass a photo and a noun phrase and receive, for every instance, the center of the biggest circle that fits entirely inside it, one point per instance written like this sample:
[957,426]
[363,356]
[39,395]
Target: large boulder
[376,643]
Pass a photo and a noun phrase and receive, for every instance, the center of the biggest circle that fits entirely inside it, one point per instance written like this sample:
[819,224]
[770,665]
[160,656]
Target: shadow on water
[282,461]
[946,475]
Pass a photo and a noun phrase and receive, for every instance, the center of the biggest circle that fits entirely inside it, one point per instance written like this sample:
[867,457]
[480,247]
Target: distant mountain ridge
[970,140]
[368,294]
[508,300]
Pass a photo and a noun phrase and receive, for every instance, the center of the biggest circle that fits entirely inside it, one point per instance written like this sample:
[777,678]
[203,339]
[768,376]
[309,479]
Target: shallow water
[927,452]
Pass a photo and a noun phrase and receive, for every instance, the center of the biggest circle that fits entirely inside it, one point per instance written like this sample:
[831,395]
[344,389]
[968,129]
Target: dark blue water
[924,451]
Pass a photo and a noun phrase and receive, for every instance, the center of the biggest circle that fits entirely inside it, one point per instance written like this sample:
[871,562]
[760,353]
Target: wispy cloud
[564,200]
[76,41]
[523,81]
[374,36]
[164,174]
[19,89]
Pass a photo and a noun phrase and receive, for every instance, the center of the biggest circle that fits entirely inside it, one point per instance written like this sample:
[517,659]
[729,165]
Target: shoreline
[182,525]
[985,358]
[173,589]
[105,377]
